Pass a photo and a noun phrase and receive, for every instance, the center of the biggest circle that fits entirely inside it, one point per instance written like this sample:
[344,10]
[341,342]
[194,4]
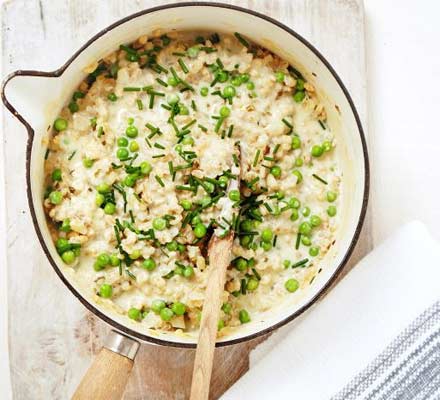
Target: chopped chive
[300,263]
[132,89]
[268,207]
[152,128]
[183,65]
[241,39]
[322,124]
[236,161]
[298,241]
[166,106]
[219,63]
[151,104]
[208,49]
[159,156]
[159,146]
[46,154]
[193,105]
[275,240]
[158,68]
[189,124]
[100,131]
[257,275]
[131,216]
[159,180]
[219,124]
[161,82]
[148,143]
[277,147]
[178,54]
[320,179]
[183,187]
[140,105]
[257,156]
[230,130]
[170,167]
[147,88]
[267,158]
[287,123]
[174,73]
[72,155]
[202,128]
[251,183]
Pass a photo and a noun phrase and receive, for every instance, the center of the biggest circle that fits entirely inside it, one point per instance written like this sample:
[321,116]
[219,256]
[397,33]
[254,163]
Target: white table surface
[403,70]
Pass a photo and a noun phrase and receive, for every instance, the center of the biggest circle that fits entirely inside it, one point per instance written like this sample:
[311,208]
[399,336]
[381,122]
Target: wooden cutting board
[52,337]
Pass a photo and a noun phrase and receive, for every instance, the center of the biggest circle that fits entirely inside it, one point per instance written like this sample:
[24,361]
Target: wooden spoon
[219,256]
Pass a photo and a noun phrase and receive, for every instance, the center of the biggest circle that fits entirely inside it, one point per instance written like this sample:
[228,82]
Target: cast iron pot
[51,90]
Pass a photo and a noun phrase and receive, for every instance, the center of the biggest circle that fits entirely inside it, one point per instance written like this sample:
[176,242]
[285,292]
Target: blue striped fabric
[408,368]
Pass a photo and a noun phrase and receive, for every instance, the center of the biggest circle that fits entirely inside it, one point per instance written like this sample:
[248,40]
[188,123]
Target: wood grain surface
[52,338]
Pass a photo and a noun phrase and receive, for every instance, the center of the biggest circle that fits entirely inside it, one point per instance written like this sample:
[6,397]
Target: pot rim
[58,72]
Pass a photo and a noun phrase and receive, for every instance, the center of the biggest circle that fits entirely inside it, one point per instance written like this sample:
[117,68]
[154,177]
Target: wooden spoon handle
[219,259]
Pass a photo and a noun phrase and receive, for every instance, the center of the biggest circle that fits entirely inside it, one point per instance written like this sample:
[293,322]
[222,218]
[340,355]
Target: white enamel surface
[48,94]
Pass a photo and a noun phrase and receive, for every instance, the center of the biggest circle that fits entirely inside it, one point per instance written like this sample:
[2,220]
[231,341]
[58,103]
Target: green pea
[97,267]
[73,107]
[134,146]
[179,270]
[298,175]
[55,197]
[114,261]
[157,306]
[196,220]
[88,163]
[229,92]
[103,260]
[122,153]
[130,180]
[172,246]
[188,272]
[149,264]
[245,240]
[234,195]
[220,325]
[183,110]
[103,188]
[186,204]
[131,131]
[166,314]
[60,124]
[295,215]
[240,264]
[244,316]
[135,314]
[178,308]
[287,263]
[188,140]
[225,111]
[296,142]
[122,141]
[68,257]
[305,228]
[204,91]
[317,150]
[279,76]
[300,84]
[245,77]
[132,57]
[267,235]
[146,168]
[172,99]
[327,146]
[110,208]
[172,81]
[314,251]
[315,220]
[62,245]
[181,247]
[106,291]
[193,52]
[247,225]
[112,97]
[266,246]
[236,81]
[299,96]
[331,211]
[291,285]
[305,211]
[56,175]
[99,199]
[227,308]
[306,241]
[222,76]
[252,284]
[294,203]
[331,196]
[299,162]
[276,171]
[135,254]
[199,231]
[65,226]
[250,86]
[159,224]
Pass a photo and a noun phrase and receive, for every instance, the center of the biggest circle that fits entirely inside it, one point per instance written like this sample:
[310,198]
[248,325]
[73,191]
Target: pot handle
[108,375]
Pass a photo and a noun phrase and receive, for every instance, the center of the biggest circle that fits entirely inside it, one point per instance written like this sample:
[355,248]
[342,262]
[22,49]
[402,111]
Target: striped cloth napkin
[375,336]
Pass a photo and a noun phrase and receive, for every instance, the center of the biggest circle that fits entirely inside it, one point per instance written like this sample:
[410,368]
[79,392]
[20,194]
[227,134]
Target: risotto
[138,166]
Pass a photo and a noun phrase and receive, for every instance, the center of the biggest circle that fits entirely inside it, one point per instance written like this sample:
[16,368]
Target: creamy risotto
[138,166]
